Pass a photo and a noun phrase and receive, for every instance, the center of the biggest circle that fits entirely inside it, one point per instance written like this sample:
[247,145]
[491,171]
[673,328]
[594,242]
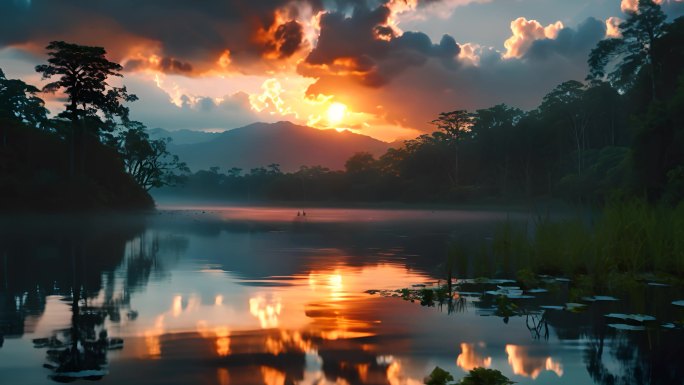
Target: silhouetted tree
[454,127]
[93,104]
[494,130]
[18,100]
[631,52]
[234,172]
[149,161]
[360,162]
[565,104]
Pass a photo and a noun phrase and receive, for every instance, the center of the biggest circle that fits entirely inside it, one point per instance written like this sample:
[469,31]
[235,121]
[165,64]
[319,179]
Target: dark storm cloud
[437,81]
[288,37]
[363,45]
[189,34]
[569,42]
[168,65]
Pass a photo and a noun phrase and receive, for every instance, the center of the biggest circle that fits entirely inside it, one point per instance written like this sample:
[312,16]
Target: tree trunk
[455,167]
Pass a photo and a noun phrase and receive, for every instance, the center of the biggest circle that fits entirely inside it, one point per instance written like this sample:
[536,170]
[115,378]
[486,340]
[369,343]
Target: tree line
[620,131]
[88,155]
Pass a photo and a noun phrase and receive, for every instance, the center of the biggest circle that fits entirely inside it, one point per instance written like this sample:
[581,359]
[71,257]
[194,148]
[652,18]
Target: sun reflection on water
[266,310]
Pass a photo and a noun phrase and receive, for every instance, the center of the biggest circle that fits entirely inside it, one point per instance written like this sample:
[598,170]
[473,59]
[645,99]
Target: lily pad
[552,307]
[597,298]
[468,293]
[539,290]
[658,284]
[488,281]
[668,325]
[512,294]
[627,327]
[573,306]
[633,317]
[678,303]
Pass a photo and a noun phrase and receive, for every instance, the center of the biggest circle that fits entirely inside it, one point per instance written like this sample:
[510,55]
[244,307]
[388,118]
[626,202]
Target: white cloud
[525,32]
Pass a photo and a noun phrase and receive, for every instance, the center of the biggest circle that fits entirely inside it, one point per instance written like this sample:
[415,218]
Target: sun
[336,113]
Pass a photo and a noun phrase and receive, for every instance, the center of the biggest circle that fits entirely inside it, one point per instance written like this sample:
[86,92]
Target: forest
[620,132]
[89,156]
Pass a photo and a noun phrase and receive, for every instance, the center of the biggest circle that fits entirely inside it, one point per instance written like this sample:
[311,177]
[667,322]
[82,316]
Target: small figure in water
[303,213]
[297,213]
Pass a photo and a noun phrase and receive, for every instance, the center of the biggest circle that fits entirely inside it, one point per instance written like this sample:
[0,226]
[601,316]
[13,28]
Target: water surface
[263,296]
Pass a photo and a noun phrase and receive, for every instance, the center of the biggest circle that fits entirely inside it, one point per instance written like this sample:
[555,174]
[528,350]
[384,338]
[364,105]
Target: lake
[239,295]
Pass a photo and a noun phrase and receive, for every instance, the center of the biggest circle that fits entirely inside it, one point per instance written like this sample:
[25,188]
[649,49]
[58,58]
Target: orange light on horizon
[336,113]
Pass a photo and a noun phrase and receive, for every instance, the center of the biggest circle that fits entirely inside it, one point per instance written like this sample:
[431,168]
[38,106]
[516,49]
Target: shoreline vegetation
[617,133]
[89,156]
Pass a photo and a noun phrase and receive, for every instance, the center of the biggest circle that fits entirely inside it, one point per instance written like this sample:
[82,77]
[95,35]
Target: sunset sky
[380,68]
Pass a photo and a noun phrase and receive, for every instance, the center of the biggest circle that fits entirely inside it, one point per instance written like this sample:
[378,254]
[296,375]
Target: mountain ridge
[284,143]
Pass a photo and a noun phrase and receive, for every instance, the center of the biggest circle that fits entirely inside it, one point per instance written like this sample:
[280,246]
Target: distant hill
[183,136]
[285,143]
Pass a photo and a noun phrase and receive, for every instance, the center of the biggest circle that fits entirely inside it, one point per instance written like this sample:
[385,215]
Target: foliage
[477,376]
[633,50]
[438,376]
[454,128]
[484,376]
[18,101]
[148,161]
[82,73]
[629,236]
[584,143]
[44,162]
[34,175]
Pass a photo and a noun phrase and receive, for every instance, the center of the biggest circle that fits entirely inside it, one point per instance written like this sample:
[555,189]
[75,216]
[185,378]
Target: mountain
[285,143]
[183,136]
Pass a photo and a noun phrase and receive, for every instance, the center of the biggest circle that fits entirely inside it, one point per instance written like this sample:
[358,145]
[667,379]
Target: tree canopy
[18,101]
[627,55]
[82,73]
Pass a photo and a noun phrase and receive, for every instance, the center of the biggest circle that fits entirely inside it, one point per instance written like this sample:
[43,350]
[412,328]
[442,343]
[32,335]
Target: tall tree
[148,161]
[93,104]
[565,103]
[493,131]
[454,127]
[632,52]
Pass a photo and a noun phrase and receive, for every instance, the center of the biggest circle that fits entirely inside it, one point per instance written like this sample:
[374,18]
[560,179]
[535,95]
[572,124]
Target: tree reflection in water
[75,260]
[80,351]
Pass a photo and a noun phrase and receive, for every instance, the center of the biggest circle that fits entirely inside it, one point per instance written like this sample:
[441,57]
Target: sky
[383,68]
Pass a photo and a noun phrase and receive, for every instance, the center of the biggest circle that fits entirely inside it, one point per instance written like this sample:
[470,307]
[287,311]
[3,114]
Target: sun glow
[336,113]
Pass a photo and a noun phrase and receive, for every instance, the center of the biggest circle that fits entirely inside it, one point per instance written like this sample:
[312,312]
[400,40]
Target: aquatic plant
[438,376]
[629,238]
[427,297]
[483,376]
[477,376]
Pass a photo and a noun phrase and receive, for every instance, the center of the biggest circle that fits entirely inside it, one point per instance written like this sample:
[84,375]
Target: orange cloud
[469,53]
[525,32]
[469,359]
[613,27]
[633,5]
[525,364]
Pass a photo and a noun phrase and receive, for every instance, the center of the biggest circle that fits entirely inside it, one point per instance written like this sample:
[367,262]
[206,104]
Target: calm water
[261,296]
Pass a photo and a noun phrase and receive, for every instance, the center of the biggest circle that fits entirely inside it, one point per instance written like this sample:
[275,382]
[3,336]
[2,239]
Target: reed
[629,237]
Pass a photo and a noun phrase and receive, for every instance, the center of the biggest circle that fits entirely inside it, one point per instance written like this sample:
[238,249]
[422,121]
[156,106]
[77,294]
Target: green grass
[628,238]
